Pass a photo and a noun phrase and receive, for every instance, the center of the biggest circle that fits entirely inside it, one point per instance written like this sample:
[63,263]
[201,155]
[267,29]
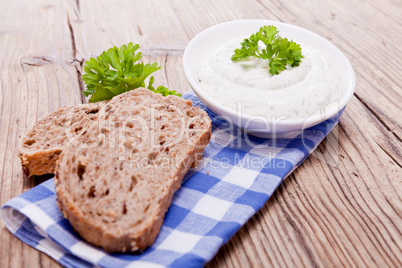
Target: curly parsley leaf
[117,71]
[280,52]
[161,89]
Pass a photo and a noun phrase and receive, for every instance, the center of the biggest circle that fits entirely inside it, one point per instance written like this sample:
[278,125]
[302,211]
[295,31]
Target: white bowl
[210,39]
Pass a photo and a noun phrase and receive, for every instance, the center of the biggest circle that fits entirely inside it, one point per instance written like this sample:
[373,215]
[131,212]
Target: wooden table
[342,207]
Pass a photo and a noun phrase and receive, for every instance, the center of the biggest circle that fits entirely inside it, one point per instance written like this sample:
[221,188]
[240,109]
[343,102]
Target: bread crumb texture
[116,184]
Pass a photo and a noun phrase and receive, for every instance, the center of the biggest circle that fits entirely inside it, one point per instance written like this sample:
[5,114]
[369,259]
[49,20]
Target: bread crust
[136,215]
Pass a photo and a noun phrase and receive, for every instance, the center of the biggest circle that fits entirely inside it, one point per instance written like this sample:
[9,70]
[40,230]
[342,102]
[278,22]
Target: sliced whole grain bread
[42,145]
[116,187]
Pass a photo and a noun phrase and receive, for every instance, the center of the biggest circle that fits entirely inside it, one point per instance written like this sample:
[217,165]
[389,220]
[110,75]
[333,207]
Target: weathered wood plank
[34,81]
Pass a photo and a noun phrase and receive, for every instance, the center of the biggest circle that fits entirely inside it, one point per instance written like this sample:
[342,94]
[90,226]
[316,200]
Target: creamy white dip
[294,93]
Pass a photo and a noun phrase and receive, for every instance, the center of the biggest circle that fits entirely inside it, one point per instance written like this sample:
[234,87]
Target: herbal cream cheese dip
[297,92]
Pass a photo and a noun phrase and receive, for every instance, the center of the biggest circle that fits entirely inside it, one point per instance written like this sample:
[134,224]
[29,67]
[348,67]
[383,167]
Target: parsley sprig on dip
[116,71]
[280,52]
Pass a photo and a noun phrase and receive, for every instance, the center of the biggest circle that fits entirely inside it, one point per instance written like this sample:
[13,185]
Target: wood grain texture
[341,208]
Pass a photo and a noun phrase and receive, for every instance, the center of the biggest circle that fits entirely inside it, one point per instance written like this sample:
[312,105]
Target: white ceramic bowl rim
[331,111]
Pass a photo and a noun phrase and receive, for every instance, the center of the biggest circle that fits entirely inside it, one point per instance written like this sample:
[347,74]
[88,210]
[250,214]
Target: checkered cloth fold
[235,178]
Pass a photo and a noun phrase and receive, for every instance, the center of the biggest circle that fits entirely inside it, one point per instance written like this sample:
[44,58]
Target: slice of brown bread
[42,145]
[116,188]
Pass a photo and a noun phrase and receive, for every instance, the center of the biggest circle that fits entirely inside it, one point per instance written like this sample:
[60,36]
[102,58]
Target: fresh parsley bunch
[280,52]
[117,71]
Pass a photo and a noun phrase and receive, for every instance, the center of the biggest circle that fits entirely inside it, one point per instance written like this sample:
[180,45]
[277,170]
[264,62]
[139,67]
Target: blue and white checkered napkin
[232,182]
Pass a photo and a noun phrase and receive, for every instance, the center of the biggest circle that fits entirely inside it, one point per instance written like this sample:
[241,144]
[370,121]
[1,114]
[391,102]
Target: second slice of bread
[42,145]
[116,187]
